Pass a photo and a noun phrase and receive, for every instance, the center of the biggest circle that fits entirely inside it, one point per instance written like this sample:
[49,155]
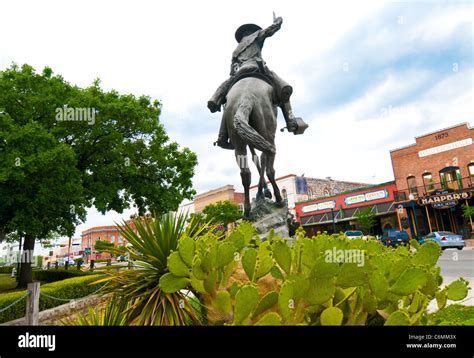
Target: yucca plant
[152,239]
[110,315]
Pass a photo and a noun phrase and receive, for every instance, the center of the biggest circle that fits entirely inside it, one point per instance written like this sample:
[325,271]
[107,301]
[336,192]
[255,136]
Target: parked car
[395,238]
[62,262]
[354,234]
[445,239]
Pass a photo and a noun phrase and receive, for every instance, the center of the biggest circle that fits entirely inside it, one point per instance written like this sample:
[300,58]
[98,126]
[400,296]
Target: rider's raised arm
[270,30]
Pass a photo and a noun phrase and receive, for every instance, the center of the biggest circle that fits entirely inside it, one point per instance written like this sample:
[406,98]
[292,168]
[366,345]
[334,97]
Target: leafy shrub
[58,275]
[72,288]
[310,281]
[109,315]
[453,315]
[7,269]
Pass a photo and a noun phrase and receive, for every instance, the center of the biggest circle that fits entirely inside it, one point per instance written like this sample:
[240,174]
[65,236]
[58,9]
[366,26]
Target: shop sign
[445,147]
[87,251]
[436,199]
[325,205]
[362,198]
[445,204]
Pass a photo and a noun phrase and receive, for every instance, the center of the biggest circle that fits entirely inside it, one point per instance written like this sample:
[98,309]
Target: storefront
[435,179]
[439,210]
[339,213]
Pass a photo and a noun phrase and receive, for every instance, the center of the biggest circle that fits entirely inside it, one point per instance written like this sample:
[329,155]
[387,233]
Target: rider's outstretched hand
[278,21]
[291,125]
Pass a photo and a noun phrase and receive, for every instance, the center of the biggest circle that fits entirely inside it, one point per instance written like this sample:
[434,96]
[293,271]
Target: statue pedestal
[266,216]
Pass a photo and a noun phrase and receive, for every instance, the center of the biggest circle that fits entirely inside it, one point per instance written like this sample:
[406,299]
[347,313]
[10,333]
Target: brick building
[90,236]
[224,193]
[434,178]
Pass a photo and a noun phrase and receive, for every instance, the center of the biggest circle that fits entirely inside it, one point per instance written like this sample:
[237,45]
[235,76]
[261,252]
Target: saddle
[258,72]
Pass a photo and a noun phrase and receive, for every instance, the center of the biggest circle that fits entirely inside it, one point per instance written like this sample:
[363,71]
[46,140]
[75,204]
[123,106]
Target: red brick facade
[408,162]
[105,233]
[437,164]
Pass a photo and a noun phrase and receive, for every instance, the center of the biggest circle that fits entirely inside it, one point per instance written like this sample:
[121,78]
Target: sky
[368,76]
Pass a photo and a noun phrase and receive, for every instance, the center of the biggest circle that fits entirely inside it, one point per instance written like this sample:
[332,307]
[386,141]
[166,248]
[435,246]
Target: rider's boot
[213,106]
[223,137]
[290,118]
[218,98]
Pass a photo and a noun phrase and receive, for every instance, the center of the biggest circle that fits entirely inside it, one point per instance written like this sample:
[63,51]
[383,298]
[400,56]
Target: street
[454,264]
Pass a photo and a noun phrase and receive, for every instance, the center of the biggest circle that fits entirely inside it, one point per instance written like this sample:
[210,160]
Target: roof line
[347,192]
[433,132]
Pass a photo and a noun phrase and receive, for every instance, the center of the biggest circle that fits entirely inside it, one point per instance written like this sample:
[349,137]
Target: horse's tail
[246,132]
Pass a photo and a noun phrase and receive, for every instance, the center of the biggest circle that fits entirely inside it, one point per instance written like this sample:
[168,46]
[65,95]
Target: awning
[347,214]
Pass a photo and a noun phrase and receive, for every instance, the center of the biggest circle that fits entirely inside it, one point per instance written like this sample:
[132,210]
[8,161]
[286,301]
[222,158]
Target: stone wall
[318,188]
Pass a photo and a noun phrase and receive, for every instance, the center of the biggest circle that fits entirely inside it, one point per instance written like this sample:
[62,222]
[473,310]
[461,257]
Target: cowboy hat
[246,27]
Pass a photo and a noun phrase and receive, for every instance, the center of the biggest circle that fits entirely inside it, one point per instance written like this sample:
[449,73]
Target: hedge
[54,275]
[51,275]
[6,269]
[72,288]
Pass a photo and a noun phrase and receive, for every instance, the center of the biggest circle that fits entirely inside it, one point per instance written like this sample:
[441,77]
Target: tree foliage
[103,246]
[366,219]
[222,212]
[468,211]
[52,170]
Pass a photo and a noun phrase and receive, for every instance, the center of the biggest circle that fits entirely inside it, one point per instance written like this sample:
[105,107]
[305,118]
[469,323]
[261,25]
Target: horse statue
[251,119]
[250,98]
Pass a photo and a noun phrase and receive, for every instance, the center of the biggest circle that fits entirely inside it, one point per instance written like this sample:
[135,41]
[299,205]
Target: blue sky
[368,76]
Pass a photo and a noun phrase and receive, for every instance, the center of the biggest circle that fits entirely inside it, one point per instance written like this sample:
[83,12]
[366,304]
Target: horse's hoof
[267,193]
[280,204]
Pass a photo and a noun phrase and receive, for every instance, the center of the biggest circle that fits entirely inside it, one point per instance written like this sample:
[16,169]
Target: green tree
[222,212]
[468,212]
[366,219]
[103,246]
[52,170]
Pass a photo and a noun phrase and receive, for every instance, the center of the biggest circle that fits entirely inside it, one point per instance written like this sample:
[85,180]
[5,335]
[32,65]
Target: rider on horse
[247,61]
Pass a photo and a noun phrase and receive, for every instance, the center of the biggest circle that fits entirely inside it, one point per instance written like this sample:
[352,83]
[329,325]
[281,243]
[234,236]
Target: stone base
[266,216]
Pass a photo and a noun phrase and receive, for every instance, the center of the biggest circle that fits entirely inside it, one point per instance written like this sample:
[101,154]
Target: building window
[284,194]
[411,181]
[112,238]
[428,182]
[451,178]
[470,169]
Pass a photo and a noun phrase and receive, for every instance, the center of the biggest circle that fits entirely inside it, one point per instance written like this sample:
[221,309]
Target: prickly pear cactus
[322,280]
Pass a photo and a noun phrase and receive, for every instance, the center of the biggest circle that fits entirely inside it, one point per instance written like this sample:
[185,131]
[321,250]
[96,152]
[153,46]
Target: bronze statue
[250,98]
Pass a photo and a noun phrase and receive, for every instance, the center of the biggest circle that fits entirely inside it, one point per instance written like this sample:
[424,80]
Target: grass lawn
[7,283]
